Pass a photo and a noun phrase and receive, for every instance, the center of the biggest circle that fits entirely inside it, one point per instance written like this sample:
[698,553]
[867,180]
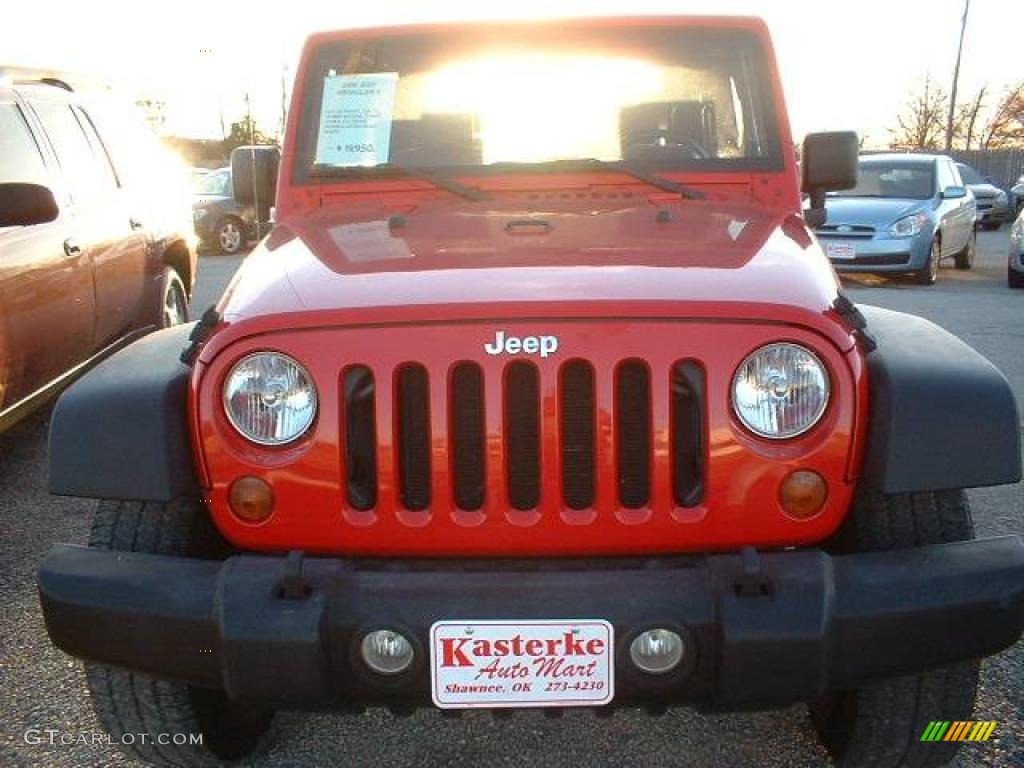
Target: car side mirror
[953,193]
[22,205]
[829,163]
[254,178]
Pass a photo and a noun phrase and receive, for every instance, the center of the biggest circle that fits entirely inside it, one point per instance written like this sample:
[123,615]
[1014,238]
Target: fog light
[803,494]
[657,651]
[387,652]
[251,499]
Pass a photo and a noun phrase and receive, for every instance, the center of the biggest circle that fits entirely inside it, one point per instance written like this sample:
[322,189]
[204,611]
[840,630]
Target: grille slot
[413,400]
[577,427]
[468,462]
[633,433]
[522,435]
[360,437]
[687,433]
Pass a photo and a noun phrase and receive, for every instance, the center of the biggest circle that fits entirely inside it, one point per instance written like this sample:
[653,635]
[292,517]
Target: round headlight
[269,398]
[780,391]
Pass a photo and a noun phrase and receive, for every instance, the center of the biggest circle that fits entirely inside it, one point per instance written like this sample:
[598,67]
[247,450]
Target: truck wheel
[880,724]
[130,703]
[173,301]
[965,258]
[929,273]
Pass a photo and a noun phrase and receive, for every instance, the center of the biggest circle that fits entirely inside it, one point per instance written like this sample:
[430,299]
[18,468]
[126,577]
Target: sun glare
[536,107]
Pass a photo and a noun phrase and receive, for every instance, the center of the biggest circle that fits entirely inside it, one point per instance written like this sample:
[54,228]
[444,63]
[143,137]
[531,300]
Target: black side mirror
[22,205]
[254,177]
[829,163]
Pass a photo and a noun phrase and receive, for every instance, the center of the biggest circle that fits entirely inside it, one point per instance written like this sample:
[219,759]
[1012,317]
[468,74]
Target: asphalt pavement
[41,689]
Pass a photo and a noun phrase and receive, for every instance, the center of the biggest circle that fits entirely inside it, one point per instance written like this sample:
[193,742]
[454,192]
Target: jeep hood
[455,260]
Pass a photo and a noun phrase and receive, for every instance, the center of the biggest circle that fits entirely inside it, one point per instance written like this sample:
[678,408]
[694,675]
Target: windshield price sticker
[355,119]
[530,663]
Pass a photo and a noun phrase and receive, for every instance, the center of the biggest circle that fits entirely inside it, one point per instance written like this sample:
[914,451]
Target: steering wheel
[662,139]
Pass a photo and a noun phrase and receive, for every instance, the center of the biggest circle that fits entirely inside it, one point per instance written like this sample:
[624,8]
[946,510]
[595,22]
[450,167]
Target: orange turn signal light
[802,494]
[251,499]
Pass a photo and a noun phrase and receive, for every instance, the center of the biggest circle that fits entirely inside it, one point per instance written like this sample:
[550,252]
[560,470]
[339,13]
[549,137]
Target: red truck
[540,394]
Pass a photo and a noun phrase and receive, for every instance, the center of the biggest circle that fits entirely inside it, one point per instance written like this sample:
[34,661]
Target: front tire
[880,724]
[929,273]
[130,703]
[230,238]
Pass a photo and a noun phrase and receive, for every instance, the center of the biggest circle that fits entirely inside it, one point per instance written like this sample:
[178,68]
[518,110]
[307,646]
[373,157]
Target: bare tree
[1005,128]
[965,126]
[923,122]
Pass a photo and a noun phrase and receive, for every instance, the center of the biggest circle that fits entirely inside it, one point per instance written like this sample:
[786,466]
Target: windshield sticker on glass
[355,119]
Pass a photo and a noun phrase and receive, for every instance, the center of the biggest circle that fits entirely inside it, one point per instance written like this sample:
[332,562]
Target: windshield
[969,175]
[906,181]
[468,99]
[214,183]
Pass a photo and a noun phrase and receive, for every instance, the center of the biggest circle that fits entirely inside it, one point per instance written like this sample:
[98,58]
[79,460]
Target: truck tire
[173,299]
[134,704]
[881,723]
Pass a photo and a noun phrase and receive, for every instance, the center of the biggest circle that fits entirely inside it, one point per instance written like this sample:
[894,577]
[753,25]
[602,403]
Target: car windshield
[660,97]
[905,181]
[969,175]
[214,183]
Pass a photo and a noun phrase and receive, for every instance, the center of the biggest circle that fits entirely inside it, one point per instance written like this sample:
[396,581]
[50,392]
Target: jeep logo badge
[527,345]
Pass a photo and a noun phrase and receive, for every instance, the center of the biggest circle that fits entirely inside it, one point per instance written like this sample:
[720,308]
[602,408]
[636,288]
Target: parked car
[93,252]
[499,418]
[905,215]
[221,222]
[1017,193]
[993,203]
[1015,265]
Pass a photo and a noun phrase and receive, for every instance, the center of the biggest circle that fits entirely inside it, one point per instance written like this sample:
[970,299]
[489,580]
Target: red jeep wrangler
[540,394]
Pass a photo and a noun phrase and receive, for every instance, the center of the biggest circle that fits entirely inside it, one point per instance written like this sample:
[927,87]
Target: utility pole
[956,78]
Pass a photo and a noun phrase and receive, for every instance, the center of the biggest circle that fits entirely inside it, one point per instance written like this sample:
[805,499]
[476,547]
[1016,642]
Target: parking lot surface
[41,688]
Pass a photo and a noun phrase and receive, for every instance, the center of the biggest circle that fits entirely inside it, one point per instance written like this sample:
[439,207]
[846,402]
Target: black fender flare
[940,415]
[121,431]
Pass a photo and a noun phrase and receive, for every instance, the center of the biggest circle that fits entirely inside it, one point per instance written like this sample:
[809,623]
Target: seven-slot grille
[600,418]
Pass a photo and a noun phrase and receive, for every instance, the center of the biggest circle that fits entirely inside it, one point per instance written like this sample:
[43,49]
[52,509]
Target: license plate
[840,251]
[528,663]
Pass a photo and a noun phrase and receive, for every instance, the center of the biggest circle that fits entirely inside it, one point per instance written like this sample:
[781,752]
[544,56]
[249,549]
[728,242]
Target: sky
[846,64]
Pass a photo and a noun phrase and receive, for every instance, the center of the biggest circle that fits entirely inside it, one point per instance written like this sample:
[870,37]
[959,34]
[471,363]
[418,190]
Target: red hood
[448,260]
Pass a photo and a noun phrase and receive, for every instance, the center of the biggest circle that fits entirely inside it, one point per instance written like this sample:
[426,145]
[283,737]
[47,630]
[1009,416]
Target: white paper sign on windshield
[355,119]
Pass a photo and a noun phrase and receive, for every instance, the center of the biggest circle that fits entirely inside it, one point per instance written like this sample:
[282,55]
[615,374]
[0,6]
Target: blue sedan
[906,215]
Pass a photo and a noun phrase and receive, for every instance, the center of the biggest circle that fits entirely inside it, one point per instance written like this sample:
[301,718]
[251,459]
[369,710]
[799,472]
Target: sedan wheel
[965,258]
[229,236]
[929,273]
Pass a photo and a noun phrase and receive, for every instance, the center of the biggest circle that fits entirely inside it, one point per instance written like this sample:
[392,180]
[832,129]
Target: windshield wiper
[588,163]
[431,177]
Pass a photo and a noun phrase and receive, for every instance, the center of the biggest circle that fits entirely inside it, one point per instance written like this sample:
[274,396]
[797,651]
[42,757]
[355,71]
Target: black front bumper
[764,629]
